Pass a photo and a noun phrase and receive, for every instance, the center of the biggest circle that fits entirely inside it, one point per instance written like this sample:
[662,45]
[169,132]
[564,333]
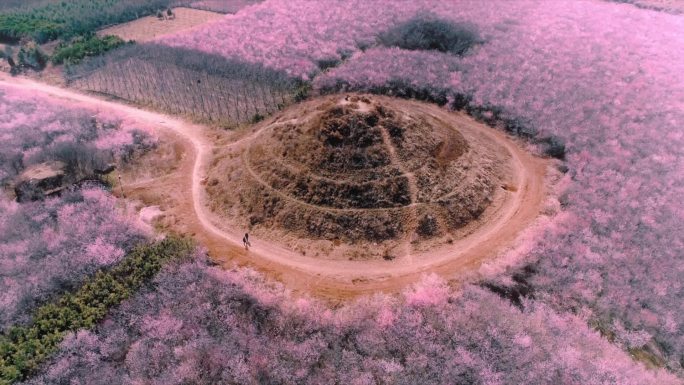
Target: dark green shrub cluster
[429,33]
[32,56]
[554,147]
[49,21]
[79,48]
[8,55]
[15,26]
[23,348]
[6,5]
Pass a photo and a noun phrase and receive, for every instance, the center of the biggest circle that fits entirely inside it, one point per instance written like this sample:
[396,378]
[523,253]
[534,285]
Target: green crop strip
[24,348]
[78,49]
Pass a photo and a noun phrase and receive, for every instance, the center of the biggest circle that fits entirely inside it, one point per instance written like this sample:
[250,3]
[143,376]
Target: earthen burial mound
[348,171]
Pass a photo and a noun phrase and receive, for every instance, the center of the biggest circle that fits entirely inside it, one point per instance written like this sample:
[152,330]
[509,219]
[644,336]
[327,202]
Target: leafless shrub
[182,81]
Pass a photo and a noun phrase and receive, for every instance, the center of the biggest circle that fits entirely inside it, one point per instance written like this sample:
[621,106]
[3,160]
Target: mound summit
[356,170]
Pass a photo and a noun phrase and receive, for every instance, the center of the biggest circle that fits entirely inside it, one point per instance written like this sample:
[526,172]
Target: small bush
[257,118]
[554,147]
[428,33]
[327,63]
[32,56]
[81,159]
[302,92]
[427,226]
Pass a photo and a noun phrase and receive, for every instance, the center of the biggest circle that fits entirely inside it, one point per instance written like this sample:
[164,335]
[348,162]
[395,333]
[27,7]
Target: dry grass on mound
[360,170]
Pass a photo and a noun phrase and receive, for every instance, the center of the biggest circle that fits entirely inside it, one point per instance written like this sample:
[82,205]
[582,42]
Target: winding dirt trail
[332,279]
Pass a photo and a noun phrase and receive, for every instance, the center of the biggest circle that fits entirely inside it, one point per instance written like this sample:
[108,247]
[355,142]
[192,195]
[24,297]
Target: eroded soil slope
[342,172]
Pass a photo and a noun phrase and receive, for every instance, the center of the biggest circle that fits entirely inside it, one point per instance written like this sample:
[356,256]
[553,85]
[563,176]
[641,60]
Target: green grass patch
[74,51]
[24,348]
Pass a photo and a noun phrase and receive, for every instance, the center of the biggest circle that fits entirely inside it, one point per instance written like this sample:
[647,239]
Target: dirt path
[412,221]
[325,278]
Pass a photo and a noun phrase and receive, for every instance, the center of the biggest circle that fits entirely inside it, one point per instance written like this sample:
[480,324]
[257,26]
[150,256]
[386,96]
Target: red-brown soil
[358,177]
[180,194]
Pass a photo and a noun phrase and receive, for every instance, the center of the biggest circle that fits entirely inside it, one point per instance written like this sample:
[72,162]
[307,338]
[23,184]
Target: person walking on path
[245,241]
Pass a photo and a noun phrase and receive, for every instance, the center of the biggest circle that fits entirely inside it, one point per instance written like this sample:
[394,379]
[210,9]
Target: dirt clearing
[150,27]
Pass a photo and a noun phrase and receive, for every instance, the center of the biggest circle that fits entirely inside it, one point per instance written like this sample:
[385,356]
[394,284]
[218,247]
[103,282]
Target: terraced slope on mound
[357,169]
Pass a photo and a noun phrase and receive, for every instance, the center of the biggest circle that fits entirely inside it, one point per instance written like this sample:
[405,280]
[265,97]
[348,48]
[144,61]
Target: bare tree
[177,80]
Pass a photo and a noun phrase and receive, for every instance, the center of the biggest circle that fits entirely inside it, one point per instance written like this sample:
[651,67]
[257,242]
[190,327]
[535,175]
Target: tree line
[45,21]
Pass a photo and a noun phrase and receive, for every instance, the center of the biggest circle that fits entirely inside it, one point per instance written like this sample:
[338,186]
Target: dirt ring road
[324,278]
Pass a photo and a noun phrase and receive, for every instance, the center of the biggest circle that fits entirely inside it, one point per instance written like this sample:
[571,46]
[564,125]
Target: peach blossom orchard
[603,278]
[608,79]
[51,246]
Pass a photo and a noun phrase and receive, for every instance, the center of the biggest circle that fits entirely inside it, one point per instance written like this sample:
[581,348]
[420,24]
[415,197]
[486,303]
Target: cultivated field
[151,27]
